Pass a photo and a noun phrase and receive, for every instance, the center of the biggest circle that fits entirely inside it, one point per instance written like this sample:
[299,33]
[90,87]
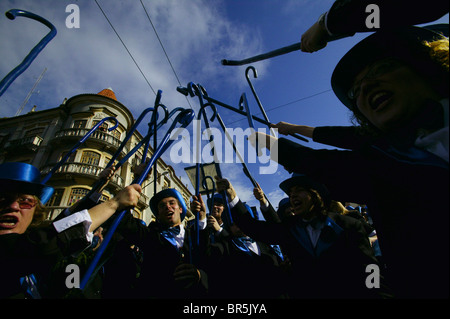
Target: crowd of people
[395,83]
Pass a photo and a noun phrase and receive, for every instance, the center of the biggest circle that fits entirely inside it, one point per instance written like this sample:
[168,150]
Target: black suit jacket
[35,252]
[160,258]
[233,273]
[335,269]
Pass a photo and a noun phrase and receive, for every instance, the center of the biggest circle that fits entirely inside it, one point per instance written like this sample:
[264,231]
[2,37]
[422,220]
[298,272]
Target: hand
[314,39]
[99,234]
[107,173]
[139,169]
[128,197]
[284,128]
[264,140]
[223,184]
[291,129]
[259,195]
[186,276]
[212,223]
[197,205]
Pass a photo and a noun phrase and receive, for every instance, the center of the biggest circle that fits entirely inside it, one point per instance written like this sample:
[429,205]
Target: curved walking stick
[255,75]
[187,91]
[193,90]
[101,183]
[77,145]
[211,204]
[129,135]
[198,165]
[243,103]
[205,186]
[146,139]
[230,140]
[271,54]
[184,118]
[147,145]
[18,70]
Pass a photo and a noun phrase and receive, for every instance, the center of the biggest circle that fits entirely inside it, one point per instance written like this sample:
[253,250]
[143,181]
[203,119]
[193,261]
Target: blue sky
[197,35]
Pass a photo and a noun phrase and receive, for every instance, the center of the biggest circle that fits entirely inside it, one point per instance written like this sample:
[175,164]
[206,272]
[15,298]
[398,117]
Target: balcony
[84,170]
[29,143]
[98,138]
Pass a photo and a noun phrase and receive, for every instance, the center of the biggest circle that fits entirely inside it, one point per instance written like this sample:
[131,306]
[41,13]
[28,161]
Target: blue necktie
[173,231]
[240,242]
[28,283]
[170,234]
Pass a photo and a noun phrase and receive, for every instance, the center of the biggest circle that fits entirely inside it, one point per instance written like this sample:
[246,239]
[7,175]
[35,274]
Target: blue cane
[187,90]
[18,70]
[194,90]
[184,118]
[77,145]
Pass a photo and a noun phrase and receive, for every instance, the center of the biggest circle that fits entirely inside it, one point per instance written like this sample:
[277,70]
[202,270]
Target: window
[35,132]
[71,159]
[79,123]
[91,158]
[106,160]
[76,194]
[56,198]
[103,127]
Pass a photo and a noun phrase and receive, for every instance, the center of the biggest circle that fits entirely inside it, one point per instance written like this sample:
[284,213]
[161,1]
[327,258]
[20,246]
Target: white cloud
[196,36]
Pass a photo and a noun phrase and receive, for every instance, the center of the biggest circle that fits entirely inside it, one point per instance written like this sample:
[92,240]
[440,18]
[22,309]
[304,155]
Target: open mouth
[379,99]
[8,221]
[169,214]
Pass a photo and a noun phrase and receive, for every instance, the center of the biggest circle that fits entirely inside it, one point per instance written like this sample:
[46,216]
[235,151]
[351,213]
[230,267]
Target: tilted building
[43,138]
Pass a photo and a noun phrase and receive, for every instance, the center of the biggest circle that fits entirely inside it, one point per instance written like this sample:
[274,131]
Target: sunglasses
[25,202]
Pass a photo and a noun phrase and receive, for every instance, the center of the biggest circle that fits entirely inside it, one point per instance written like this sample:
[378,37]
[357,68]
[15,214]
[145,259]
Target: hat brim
[169,192]
[307,182]
[216,199]
[398,43]
[43,192]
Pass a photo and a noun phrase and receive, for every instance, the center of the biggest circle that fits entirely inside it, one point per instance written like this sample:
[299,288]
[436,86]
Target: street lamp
[210,169]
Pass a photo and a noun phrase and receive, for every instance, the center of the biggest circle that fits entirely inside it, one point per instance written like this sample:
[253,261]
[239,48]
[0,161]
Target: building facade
[43,138]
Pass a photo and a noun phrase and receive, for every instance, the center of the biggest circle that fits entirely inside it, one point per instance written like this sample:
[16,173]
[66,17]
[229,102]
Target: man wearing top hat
[328,252]
[396,84]
[30,245]
[171,252]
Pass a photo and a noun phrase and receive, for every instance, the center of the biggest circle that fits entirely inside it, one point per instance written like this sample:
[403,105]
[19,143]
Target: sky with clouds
[196,35]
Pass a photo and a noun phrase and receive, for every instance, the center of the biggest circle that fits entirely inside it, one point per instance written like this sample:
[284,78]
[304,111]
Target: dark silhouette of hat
[25,179]
[217,198]
[403,43]
[168,192]
[305,181]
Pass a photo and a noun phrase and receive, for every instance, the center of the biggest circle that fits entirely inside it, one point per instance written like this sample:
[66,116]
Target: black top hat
[305,181]
[217,198]
[169,192]
[25,179]
[404,43]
